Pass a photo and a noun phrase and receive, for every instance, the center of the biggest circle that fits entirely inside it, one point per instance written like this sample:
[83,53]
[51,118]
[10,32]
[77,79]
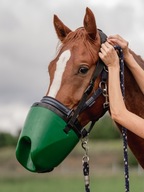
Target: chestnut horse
[71,71]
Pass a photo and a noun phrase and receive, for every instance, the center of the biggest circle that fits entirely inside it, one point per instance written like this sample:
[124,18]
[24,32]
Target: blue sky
[28,43]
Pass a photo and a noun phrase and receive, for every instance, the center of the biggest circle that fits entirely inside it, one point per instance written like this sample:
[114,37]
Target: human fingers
[108,54]
[106,47]
[116,37]
[118,40]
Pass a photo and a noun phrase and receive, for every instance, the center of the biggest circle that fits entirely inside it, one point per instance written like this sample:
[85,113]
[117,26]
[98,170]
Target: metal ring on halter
[103,86]
[106,68]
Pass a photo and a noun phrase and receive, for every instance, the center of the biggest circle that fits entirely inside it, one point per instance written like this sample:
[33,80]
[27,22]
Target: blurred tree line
[6,139]
[105,129]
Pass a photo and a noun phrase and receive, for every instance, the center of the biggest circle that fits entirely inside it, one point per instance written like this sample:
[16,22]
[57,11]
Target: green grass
[70,184]
[68,177]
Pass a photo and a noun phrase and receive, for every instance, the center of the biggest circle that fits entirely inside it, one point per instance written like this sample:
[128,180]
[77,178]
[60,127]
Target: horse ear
[90,24]
[61,30]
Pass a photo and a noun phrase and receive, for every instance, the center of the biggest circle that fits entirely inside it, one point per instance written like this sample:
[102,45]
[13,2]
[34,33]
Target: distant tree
[7,139]
[105,129]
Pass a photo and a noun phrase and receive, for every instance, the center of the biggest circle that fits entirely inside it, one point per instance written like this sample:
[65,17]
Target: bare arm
[119,113]
[118,109]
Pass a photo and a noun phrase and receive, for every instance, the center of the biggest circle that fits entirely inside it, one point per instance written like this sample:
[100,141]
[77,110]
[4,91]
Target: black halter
[84,102]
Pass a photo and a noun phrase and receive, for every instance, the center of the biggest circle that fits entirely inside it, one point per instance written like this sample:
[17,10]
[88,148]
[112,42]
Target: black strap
[98,70]
[72,120]
[103,36]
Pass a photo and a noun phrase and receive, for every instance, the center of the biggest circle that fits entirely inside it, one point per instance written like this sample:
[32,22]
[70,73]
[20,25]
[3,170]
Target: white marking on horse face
[60,67]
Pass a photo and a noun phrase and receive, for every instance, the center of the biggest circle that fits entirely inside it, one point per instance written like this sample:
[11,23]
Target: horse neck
[134,98]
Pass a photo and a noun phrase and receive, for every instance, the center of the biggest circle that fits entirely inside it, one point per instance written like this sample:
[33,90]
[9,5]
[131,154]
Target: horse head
[77,94]
[72,69]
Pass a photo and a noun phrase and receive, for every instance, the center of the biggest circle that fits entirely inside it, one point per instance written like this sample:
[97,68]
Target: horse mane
[80,35]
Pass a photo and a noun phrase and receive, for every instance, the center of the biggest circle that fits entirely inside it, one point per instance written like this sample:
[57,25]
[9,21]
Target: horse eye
[83,70]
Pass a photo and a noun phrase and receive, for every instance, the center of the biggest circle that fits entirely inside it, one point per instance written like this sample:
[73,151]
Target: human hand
[108,55]
[118,40]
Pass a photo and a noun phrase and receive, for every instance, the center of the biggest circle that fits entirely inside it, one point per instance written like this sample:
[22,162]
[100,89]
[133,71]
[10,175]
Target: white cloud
[108,3]
[12,117]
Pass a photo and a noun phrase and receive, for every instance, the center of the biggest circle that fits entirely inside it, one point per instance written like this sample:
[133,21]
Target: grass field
[70,184]
[68,177]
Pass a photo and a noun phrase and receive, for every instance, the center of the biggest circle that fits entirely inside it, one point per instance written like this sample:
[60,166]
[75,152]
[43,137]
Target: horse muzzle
[43,143]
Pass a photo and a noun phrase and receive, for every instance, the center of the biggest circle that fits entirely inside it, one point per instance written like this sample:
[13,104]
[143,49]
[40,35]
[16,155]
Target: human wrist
[128,57]
[113,71]
[114,66]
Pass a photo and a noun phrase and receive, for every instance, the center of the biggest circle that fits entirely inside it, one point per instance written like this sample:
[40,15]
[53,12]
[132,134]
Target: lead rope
[124,130]
[85,163]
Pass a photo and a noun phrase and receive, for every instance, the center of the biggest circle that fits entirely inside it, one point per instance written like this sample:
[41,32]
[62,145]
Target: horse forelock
[80,36]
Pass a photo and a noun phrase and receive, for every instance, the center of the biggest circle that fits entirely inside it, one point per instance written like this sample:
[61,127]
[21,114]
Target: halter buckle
[103,86]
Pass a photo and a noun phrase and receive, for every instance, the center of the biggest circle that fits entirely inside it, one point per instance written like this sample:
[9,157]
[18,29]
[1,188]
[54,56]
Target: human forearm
[119,112]
[132,122]
[115,96]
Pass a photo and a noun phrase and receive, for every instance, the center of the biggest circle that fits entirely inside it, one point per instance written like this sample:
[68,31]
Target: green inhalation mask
[44,142]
